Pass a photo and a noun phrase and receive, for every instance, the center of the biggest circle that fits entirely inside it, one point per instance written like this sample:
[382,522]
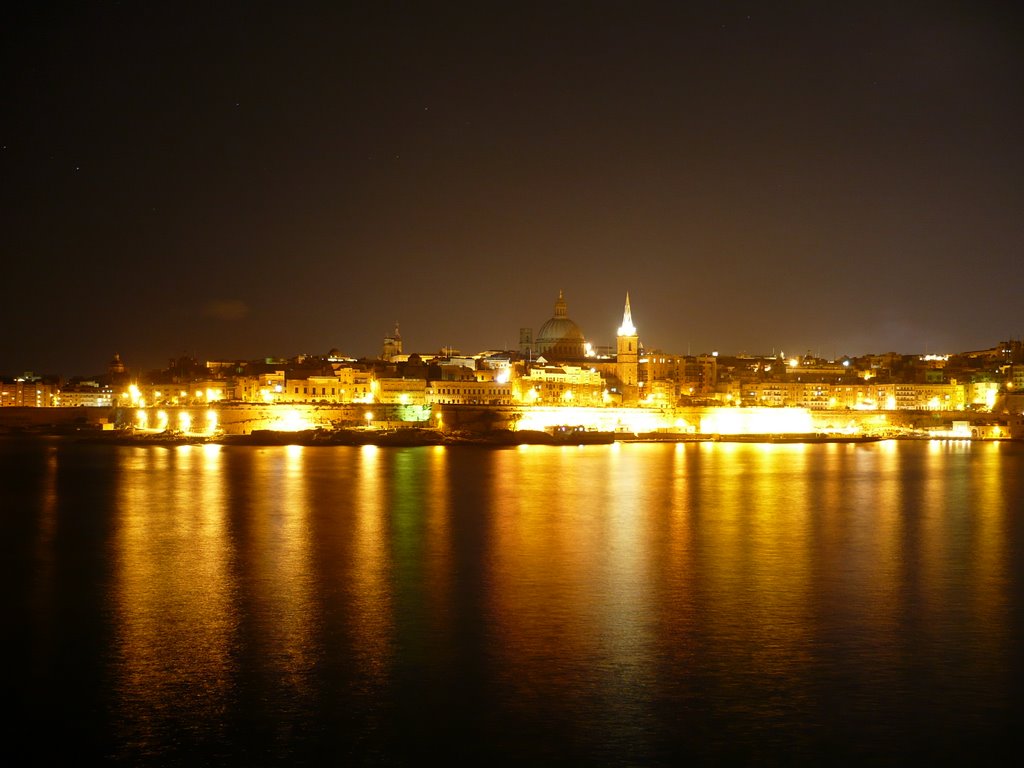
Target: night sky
[237,181]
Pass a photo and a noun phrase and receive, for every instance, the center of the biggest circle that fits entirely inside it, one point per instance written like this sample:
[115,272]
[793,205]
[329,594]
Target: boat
[577,435]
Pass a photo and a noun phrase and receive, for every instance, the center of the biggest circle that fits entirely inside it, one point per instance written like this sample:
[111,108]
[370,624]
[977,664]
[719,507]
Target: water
[634,604]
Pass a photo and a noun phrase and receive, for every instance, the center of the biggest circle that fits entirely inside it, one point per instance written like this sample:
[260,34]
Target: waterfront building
[261,388]
[564,385]
[23,392]
[469,392]
[398,391]
[85,394]
[344,385]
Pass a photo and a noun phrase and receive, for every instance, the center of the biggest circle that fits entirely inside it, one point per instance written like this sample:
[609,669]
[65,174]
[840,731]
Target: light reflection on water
[624,604]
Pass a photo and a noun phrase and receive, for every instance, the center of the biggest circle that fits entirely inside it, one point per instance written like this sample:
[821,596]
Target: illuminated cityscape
[556,379]
[549,384]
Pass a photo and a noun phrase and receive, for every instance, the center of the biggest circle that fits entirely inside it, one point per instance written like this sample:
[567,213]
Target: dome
[560,337]
[116,366]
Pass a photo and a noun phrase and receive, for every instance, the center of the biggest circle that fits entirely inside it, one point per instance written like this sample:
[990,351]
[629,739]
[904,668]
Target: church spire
[627,328]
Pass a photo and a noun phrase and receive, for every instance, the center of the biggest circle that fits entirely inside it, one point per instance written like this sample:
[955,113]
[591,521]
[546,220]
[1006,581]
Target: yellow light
[184,421]
[161,420]
[290,421]
[757,421]
[990,397]
[211,421]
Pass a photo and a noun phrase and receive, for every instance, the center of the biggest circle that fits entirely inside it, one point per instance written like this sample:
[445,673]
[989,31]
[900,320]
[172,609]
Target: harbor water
[609,605]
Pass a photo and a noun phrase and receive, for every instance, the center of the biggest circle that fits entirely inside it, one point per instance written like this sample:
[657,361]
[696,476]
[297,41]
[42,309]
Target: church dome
[560,337]
[116,366]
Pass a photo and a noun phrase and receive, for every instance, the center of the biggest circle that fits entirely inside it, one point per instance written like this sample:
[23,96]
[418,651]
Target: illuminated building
[391,391]
[262,388]
[470,392]
[345,385]
[627,356]
[28,393]
[86,395]
[564,385]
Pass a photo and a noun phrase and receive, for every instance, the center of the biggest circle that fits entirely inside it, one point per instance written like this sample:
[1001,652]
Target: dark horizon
[246,181]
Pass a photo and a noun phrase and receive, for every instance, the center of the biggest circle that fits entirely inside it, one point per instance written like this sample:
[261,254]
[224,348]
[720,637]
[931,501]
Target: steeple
[627,328]
[627,360]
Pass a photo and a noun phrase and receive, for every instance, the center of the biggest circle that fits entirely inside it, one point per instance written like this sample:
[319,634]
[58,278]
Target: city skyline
[240,183]
[597,346]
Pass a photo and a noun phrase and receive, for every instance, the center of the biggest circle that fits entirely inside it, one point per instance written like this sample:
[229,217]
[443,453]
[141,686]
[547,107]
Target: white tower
[628,354]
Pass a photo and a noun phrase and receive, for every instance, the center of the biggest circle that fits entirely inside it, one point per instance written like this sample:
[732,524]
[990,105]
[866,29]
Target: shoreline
[417,436]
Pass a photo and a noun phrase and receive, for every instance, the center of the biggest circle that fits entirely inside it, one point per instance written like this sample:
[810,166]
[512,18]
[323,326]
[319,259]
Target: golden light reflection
[171,590]
[282,556]
[44,575]
[614,565]
[372,598]
[591,578]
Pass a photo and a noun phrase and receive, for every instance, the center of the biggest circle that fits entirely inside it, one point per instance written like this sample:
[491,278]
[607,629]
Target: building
[627,355]
[88,394]
[26,392]
[392,345]
[567,385]
[560,339]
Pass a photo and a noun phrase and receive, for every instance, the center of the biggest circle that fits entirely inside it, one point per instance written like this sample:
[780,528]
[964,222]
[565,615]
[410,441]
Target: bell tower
[627,355]
[392,345]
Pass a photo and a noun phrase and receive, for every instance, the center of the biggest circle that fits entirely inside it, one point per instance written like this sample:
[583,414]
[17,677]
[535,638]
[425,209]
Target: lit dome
[560,337]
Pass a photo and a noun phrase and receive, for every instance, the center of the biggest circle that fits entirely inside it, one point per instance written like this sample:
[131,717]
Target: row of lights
[184,422]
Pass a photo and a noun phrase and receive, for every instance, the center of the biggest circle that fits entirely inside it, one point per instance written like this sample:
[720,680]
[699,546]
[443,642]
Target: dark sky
[244,180]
